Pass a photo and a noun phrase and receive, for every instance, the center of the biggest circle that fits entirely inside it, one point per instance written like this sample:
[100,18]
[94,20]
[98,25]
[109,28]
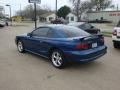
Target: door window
[41,32]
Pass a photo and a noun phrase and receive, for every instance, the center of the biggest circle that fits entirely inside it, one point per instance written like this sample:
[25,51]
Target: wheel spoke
[20,47]
[54,56]
[59,62]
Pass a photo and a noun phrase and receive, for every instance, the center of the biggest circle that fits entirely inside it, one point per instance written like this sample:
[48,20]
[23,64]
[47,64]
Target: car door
[33,42]
[46,42]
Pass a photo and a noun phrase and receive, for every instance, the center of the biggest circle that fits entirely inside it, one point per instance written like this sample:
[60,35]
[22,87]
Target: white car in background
[2,23]
[116,36]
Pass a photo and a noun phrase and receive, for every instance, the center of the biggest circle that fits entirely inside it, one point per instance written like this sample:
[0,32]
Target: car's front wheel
[20,47]
[57,59]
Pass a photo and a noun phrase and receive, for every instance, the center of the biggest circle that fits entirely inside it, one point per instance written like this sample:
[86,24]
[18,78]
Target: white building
[51,16]
[113,16]
[71,17]
[47,17]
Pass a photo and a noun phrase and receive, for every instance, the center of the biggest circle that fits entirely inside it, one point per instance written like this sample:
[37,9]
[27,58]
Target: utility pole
[56,9]
[10,12]
[117,7]
[35,15]
[20,11]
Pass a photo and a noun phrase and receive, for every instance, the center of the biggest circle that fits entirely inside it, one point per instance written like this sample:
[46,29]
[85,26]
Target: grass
[107,34]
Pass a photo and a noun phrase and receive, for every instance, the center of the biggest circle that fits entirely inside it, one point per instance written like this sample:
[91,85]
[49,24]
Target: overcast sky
[51,3]
[16,4]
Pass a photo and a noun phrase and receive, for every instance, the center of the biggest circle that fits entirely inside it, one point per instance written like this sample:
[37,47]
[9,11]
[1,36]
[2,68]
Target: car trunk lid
[89,42]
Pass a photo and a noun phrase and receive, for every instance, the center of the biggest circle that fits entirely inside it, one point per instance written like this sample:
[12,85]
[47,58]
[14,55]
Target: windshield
[68,32]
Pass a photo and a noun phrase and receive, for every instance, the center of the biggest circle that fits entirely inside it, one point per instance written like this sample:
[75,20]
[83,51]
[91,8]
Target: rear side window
[118,25]
[70,31]
[85,26]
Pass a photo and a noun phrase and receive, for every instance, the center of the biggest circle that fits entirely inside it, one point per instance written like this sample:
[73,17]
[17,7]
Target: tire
[57,59]
[116,45]
[20,47]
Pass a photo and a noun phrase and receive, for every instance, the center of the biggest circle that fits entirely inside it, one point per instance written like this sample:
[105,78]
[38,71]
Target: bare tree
[28,12]
[76,5]
[46,7]
[102,4]
[80,7]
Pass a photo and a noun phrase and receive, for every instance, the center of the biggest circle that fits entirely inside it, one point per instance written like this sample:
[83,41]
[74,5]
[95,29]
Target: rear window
[70,31]
[85,26]
[118,25]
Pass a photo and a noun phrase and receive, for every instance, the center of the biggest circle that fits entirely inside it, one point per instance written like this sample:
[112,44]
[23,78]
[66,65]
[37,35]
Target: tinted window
[72,18]
[68,32]
[50,18]
[85,26]
[41,32]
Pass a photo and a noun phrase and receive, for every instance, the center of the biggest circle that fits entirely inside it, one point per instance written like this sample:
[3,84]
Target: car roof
[76,23]
[53,25]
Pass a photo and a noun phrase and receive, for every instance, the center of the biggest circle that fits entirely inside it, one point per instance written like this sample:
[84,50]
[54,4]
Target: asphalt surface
[31,72]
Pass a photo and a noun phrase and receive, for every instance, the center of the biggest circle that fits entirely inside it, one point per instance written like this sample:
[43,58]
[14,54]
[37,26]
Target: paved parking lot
[31,72]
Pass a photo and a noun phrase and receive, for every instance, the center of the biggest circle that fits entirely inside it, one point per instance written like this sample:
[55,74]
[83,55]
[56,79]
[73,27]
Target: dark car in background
[100,21]
[86,26]
[62,44]
[59,21]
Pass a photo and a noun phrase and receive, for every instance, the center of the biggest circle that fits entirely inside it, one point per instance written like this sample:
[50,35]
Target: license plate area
[94,45]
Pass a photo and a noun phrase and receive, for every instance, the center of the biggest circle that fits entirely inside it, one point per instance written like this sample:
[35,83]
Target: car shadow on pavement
[85,66]
[38,57]
[89,66]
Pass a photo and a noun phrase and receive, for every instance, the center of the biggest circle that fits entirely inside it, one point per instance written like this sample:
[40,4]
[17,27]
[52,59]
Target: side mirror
[29,34]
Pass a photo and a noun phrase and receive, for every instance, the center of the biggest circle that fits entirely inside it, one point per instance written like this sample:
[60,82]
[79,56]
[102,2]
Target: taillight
[115,32]
[102,39]
[81,46]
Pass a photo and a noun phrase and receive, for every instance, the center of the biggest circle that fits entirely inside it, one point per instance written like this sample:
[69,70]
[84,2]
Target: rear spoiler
[89,37]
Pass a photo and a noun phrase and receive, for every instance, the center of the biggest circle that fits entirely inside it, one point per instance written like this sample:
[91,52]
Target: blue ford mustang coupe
[62,44]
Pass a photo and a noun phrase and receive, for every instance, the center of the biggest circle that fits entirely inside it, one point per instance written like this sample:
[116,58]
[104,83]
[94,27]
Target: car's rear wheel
[20,47]
[57,59]
[116,45]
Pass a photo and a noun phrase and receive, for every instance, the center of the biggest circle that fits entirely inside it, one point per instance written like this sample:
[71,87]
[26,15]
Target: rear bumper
[86,55]
[115,39]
